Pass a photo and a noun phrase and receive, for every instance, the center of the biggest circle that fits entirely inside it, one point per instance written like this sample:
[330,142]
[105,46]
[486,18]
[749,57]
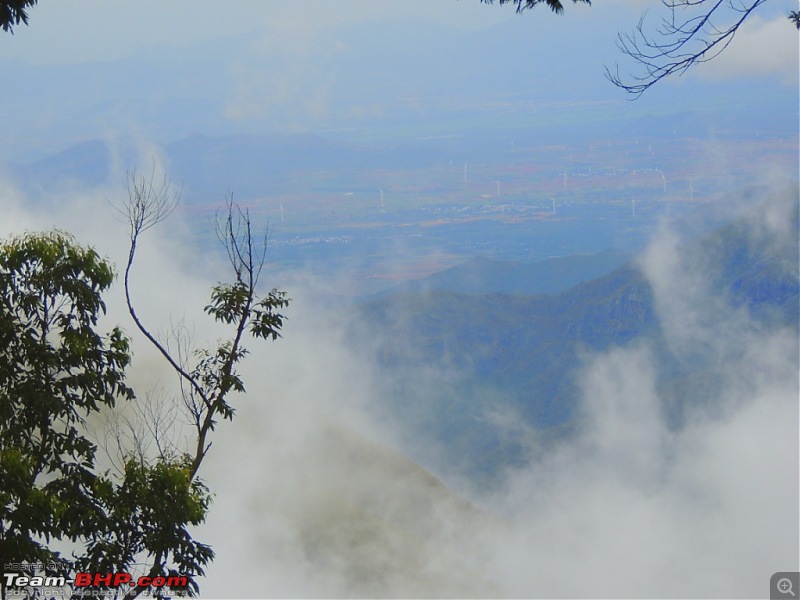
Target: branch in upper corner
[555,5]
[14,12]
[693,32]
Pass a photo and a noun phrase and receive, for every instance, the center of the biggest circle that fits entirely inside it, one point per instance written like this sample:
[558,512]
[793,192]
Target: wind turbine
[565,180]
[465,171]
[633,206]
[281,213]
[554,205]
[381,191]
[691,192]
[498,188]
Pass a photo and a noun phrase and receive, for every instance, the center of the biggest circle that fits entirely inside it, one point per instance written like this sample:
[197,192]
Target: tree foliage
[555,5]
[57,372]
[14,12]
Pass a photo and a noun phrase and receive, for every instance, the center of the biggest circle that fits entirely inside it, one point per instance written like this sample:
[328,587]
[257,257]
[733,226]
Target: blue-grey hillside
[460,363]
[484,275]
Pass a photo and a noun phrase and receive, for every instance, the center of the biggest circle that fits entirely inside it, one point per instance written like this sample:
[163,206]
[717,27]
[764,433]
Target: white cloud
[761,48]
[312,501]
[633,506]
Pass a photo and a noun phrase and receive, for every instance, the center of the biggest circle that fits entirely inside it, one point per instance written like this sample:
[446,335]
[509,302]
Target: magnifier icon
[784,586]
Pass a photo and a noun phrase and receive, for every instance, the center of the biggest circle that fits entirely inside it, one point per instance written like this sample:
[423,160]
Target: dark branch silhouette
[555,5]
[14,12]
[694,32]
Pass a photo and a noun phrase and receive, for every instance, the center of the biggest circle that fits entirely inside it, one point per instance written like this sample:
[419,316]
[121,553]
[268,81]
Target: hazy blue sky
[320,65]
[75,31]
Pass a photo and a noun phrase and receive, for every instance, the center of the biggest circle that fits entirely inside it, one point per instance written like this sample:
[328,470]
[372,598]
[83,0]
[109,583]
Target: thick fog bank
[314,499]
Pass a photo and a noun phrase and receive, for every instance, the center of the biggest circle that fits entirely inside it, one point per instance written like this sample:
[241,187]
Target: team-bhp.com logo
[86,581]
[115,580]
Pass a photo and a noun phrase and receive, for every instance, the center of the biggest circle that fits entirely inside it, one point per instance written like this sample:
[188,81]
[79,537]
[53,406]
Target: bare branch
[149,204]
[235,233]
[693,32]
[209,380]
[149,201]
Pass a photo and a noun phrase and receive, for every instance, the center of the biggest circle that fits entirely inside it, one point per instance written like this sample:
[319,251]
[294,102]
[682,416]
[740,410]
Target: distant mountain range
[255,165]
[458,358]
[252,166]
[481,274]
[342,79]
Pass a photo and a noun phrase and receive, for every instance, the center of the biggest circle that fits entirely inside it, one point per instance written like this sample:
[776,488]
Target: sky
[160,72]
[74,31]
[129,27]
[78,31]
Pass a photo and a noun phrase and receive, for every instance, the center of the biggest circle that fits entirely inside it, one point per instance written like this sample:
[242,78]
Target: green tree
[57,371]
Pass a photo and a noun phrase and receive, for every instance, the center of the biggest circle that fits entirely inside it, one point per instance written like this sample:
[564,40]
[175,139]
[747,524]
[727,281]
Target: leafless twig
[693,32]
